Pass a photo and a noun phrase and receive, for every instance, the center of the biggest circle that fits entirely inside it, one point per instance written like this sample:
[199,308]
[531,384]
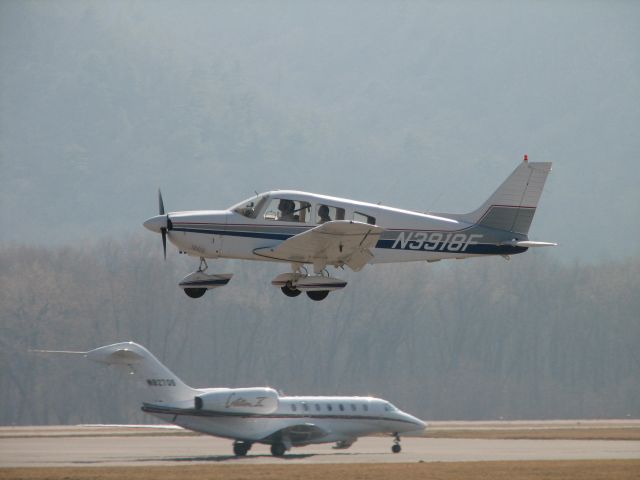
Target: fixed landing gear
[278,449]
[317,286]
[195,292]
[290,291]
[317,295]
[196,284]
[240,449]
[396,448]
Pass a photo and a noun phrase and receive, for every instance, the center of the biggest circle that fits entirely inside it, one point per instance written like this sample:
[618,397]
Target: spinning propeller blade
[160,203]
[163,230]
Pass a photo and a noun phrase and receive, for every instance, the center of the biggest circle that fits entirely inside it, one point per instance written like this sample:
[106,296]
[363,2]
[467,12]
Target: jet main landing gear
[278,449]
[240,449]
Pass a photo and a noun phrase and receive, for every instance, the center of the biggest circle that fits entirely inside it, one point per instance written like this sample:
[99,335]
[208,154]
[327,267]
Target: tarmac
[102,446]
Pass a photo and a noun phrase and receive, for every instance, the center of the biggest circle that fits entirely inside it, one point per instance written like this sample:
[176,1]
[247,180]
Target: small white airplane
[254,415]
[303,228]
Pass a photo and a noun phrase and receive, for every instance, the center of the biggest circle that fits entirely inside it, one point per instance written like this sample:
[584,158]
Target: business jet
[312,232]
[254,415]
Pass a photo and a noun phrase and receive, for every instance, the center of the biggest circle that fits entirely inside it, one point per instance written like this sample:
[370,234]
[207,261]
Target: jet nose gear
[396,448]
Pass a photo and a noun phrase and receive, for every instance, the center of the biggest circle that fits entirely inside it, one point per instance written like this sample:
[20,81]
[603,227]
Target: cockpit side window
[361,217]
[251,208]
[287,210]
[327,213]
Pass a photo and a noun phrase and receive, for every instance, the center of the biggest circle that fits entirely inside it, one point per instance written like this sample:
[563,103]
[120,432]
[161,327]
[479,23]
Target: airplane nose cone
[418,425]
[156,224]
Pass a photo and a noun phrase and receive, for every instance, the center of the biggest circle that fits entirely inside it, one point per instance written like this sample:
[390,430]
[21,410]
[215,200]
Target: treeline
[479,339]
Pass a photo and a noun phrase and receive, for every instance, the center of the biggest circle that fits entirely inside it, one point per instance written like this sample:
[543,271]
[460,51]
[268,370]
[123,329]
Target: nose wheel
[396,448]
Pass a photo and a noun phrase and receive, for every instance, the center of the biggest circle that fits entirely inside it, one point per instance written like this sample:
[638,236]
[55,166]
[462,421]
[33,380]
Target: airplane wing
[339,242]
[297,434]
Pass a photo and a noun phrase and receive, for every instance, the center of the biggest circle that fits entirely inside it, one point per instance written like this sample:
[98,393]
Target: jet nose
[156,224]
[417,427]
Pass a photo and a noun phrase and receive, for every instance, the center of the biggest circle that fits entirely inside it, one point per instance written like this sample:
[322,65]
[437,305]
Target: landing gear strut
[396,448]
[240,449]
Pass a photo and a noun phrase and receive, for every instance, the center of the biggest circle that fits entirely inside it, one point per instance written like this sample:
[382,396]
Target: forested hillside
[473,339]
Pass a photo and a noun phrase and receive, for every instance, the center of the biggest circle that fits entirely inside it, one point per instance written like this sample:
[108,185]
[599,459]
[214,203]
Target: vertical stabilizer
[161,385]
[513,204]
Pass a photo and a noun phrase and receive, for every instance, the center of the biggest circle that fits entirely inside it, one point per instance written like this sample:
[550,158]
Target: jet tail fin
[513,204]
[160,384]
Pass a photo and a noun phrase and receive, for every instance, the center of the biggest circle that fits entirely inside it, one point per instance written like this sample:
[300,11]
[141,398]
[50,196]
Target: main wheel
[318,295]
[240,449]
[195,292]
[396,448]
[278,449]
[290,291]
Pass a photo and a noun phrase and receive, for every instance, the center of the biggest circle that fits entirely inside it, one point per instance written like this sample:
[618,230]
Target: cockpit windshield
[250,207]
[389,407]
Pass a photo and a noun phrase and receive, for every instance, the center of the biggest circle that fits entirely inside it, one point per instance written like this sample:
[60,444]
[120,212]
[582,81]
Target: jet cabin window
[326,213]
[361,217]
[286,210]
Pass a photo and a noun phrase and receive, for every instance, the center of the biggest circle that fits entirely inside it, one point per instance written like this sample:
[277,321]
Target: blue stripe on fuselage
[387,244]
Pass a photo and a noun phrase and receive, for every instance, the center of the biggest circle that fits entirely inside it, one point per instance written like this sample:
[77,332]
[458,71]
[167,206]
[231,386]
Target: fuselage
[258,223]
[342,418]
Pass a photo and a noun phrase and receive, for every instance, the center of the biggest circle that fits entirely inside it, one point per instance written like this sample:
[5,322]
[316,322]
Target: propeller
[163,230]
[160,223]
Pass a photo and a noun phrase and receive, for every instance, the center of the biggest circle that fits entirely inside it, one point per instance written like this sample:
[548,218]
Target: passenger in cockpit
[323,214]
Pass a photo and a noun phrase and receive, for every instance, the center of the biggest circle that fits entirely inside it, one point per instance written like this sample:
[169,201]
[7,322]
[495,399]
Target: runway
[113,446]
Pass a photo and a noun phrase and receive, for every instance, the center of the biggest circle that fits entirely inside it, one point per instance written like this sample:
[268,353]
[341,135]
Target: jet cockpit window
[326,213]
[388,407]
[361,217]
[286,210]
[250,208]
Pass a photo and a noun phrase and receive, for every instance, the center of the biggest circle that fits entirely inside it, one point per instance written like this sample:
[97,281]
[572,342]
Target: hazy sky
[422,105]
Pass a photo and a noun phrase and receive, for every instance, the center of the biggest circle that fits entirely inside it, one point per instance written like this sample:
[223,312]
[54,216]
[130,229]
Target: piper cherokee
[312,232]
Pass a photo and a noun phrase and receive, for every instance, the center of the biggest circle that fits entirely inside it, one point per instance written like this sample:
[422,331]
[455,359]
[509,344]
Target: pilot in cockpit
[287,208]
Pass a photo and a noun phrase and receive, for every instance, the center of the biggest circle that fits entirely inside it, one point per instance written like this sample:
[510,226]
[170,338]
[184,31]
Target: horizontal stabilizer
[531,244]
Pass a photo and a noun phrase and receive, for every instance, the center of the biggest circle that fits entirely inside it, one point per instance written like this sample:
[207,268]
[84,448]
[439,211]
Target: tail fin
[160,384]
[513,204]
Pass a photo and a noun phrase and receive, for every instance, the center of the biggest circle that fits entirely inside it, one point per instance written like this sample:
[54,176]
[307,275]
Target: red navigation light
[526,157]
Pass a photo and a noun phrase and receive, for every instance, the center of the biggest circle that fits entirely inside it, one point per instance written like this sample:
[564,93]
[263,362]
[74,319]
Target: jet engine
[239,400]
